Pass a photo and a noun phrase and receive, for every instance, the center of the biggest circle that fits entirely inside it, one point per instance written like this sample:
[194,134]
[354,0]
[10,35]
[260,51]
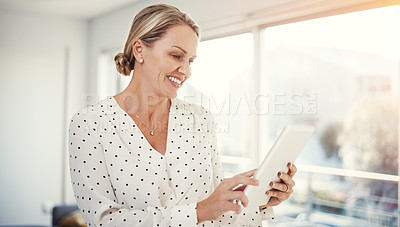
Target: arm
[94,192]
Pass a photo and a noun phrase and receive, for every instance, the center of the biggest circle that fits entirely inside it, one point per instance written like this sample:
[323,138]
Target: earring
[141,60]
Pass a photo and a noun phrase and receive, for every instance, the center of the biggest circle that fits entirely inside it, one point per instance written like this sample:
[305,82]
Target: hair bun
[122,64]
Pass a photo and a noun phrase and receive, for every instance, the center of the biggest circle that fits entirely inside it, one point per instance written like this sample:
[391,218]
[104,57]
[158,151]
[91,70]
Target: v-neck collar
[118,107]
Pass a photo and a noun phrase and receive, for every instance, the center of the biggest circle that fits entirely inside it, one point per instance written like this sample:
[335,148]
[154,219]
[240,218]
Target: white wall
[33,62]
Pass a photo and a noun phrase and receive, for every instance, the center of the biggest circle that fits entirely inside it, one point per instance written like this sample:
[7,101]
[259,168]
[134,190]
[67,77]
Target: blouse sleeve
[249,216]
[94,192]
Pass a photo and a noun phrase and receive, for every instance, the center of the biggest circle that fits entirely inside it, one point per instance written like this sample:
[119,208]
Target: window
[341,74]
[221,82]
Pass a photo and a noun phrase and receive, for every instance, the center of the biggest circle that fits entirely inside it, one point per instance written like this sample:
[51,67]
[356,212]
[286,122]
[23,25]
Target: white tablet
[286,148]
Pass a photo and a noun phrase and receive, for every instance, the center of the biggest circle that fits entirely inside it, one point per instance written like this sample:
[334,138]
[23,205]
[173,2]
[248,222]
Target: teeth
[175,80]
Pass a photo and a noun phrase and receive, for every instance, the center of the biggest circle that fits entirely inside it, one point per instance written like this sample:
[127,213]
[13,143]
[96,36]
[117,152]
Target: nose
[185,69]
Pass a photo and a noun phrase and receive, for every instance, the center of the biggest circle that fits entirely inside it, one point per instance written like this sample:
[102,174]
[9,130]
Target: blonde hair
[149,25]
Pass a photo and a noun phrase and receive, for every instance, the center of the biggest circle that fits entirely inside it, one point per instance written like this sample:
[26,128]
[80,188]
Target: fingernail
[279,174]
[272,184]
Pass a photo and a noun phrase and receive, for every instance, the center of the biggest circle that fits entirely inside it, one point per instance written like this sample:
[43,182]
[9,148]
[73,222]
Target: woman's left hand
[281,191]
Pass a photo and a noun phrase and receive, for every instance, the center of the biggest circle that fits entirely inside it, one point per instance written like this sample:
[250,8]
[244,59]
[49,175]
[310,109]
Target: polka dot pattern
[120,180]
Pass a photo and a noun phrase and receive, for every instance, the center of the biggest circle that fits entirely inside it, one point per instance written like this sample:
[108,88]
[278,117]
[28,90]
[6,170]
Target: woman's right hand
[223,198]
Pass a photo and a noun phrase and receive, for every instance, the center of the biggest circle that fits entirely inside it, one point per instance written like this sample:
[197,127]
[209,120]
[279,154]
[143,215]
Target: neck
[151,106]
[140,100]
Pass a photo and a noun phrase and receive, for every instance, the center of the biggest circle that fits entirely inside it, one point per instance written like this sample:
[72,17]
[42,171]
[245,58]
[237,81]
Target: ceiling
[81,9]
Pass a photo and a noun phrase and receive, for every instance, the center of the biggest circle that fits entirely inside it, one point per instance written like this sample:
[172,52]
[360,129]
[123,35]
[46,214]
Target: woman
[145,158]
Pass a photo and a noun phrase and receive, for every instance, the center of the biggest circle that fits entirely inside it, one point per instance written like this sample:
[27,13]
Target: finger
[263,206]
[230,183]
[280,186]
[240,188]
[238,195]
[273,202]
[286,179]
[292,169]
[233,207]
[248,173]
[278,194]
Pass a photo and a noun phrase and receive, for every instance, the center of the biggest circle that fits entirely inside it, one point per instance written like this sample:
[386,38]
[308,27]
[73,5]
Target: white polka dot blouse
[120,180]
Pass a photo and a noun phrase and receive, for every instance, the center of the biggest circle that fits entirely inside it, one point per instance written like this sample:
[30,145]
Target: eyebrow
[184,51]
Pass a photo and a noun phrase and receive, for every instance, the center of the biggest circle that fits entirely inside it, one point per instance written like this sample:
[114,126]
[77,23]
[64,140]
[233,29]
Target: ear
[137,47]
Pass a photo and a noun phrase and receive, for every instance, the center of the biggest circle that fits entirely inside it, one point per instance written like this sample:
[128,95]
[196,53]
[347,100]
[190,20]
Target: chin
[170,94]
[169,91]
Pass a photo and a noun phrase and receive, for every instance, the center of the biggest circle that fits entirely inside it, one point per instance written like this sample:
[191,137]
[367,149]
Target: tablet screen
[286,148]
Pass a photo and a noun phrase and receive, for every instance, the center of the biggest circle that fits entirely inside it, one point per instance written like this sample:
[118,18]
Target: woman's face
[167,62]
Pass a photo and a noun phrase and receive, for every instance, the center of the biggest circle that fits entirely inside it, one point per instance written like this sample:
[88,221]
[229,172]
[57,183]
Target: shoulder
[199,118]
[191,109]
[93,114]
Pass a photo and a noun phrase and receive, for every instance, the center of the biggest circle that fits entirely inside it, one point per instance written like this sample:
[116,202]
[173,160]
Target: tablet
[286,148]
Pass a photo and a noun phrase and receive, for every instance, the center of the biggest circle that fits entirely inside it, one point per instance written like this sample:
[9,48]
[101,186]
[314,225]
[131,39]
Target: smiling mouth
[175,81]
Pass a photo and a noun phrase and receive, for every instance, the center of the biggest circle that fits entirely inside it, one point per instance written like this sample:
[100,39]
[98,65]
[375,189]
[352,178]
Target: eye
[178,57]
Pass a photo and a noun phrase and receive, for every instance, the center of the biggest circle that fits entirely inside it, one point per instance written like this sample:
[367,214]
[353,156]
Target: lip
[181,78]
[176,84]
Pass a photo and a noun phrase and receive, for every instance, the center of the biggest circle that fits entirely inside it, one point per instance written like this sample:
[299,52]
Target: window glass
[220,81]
[340,74]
